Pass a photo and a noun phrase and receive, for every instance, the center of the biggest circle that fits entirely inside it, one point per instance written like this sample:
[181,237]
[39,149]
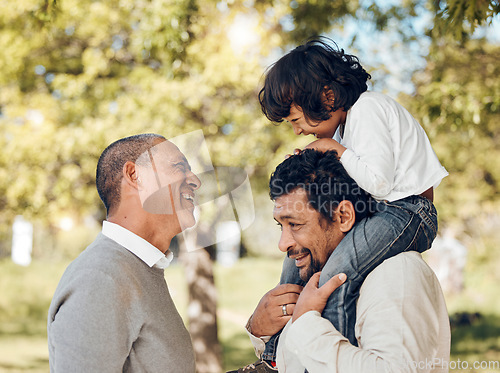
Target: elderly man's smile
[188,196]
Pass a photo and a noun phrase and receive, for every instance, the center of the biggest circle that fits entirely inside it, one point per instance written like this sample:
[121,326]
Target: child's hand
[296,151]
[313,298]
[325,144]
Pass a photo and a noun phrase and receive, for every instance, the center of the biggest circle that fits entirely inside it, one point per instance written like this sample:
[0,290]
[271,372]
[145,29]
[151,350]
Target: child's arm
[370,165]
[327,144]
[371,156]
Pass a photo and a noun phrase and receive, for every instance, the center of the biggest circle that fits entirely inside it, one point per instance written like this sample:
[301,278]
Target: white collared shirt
[388,152]
[138,246]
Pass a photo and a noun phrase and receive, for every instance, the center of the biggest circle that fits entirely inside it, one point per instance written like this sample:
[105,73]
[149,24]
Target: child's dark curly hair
[306,74]
[324,179]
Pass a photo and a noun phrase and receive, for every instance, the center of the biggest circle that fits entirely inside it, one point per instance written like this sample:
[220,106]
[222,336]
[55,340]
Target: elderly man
[401,323]
[112,310]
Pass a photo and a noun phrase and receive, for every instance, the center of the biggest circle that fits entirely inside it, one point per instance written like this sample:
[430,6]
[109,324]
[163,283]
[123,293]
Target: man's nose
[286,242]
[193,180]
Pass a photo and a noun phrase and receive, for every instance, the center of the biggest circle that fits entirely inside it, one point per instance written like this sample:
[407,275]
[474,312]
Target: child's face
[324,129]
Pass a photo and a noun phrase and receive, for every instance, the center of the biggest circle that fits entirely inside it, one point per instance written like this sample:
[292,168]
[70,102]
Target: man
[401,323]
[112,311]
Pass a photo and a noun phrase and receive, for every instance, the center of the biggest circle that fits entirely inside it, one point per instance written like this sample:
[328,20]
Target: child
[322,91]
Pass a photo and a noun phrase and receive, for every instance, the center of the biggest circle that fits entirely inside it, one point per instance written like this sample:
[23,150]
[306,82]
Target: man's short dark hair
[305,74]
[325,181]
[111,162]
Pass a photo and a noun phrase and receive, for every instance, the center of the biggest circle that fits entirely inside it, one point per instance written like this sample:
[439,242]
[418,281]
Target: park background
[77,75]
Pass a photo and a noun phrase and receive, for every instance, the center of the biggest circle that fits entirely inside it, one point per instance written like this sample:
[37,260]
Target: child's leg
[408,224]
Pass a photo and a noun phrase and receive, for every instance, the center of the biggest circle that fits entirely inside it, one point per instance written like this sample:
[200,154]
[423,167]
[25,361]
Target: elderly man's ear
[346,215]
[130,175]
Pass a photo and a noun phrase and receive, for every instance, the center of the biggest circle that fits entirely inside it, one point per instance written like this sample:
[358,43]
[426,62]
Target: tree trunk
[202,307]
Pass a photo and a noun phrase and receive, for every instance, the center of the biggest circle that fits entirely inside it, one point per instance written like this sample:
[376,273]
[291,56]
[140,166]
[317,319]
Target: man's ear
[346,216]
[130,175]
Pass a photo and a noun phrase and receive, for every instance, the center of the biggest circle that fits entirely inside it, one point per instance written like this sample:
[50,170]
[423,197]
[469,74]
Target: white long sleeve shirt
[402,326]
[388,152]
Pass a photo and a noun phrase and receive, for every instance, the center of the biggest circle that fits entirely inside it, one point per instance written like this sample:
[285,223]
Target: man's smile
[301,259]
[188,196]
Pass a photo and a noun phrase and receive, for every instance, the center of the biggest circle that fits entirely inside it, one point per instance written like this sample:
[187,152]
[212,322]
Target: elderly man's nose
[193,180]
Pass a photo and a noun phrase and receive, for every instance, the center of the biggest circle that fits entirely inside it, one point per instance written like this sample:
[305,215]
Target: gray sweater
[111,312]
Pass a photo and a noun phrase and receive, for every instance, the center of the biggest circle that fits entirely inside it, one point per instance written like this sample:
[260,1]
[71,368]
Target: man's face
[168,184]
[306,236]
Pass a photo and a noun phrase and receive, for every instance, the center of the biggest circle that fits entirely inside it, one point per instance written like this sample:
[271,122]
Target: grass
[476,341]
[25,295]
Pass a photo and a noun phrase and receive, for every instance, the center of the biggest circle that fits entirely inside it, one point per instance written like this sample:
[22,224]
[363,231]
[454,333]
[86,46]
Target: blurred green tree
[77,75]
[457,100]
[460,18]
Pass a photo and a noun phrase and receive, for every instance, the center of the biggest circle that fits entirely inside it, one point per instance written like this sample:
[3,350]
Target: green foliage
[460,18]
[458,101]
[99,71]
[25,296]
[315,17]
[476,341]
[76,75]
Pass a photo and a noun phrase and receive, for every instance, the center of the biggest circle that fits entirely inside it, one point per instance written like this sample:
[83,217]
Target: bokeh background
[76,75]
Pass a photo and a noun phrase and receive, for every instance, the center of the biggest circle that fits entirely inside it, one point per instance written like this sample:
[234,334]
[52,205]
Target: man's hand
[268,317]
[326,144]
[313,298]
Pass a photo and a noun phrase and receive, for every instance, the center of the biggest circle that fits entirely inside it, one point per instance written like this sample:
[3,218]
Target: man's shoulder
[102,255]
[404,271]
[403,287]
[104,264]
[410,260]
